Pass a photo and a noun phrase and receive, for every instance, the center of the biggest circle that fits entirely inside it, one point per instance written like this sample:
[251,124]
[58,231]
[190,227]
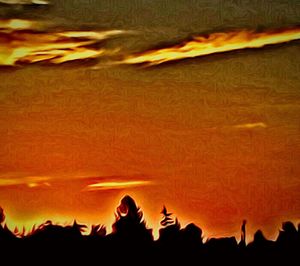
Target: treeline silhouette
[132,243]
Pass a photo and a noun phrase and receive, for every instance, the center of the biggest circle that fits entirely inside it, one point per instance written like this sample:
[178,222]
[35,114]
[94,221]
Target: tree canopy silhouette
[130,238]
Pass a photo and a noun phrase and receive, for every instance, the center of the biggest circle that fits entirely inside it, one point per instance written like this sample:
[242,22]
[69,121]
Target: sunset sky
[215,138]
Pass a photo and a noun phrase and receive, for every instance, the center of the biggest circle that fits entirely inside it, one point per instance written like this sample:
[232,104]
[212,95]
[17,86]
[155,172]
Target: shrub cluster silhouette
[131,243]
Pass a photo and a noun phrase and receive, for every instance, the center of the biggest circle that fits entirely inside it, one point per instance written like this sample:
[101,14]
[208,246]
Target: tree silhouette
[129,225]
[5,233]
[243,234]
[131,242]
[167,220]
[2,216]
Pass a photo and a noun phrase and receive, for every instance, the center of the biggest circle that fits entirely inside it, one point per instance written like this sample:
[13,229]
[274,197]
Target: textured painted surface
[216,139]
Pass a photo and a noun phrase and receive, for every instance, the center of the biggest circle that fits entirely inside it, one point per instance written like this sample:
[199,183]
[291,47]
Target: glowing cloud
[30,181]
[214,43]
[9,25]
[84,182]
[251,125]
[25,2]
[22,43]
[116,185]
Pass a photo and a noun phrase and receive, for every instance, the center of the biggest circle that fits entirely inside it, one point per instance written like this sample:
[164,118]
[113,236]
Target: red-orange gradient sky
[216,139]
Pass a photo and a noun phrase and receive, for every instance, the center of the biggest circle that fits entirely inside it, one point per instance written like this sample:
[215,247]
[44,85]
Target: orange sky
[215,139]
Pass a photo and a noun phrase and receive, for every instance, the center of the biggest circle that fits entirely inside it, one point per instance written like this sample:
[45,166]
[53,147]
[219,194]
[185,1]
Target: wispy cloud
[251,125]
[116,185]
[80,181]
[30,181]
[25,2]
[214,43]
[22,42]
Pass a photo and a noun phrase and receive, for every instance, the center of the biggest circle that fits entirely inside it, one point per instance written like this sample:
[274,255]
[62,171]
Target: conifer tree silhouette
[167,220]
